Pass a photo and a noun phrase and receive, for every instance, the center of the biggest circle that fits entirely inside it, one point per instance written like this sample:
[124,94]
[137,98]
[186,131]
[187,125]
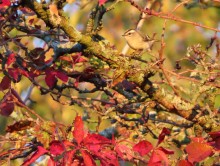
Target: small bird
[138,41]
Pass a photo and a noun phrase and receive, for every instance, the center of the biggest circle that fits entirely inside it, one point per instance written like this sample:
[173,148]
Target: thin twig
[27,108]
[162,50]
[169,16]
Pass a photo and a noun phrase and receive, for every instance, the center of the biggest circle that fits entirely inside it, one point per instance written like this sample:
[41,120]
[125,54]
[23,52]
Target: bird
[138,41]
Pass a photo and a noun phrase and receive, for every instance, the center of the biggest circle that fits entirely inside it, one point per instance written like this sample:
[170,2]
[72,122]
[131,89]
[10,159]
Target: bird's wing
[145,36]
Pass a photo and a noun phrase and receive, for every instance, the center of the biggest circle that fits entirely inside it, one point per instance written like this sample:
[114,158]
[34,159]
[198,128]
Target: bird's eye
[129,33]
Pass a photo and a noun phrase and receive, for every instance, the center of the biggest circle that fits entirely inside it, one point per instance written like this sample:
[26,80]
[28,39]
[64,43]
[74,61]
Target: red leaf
[143,147]
[78,132]
[51,162]
[88,160]
[101,2]
[214,135]
[50,79]
[6,108]
[158,158]
[68,144]
[34,73]
[162,135]
[11,59]
[5,83]
[198,151]
[124,152]
[217,143]
[184,163]
[95,141]
[108,158]
[56,148]
[14,73]
[62,76]
[7,105]
[24,73]
[5,3]
[51,75]
[40,151]
[81,59]
[68,158]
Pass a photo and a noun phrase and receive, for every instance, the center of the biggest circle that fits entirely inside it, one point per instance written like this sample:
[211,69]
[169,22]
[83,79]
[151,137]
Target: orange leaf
[158,158]
[198,151]
[78,132]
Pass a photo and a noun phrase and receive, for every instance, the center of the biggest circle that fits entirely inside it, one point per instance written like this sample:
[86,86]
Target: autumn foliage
[155,108]
[88,147]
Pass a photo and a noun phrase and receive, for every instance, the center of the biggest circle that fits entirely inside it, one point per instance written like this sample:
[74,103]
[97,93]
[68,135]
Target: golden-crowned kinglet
[138,41]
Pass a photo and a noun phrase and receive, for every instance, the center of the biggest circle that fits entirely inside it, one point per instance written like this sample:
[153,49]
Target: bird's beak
[123,35]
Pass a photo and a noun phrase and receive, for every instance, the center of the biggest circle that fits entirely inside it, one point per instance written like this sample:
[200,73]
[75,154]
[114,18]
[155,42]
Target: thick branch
[115,60]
